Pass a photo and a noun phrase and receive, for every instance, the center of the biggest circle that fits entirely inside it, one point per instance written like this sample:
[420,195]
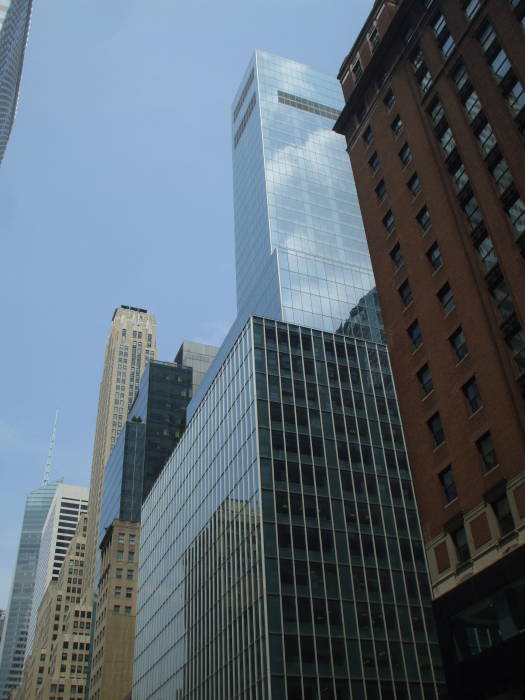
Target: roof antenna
[51,451]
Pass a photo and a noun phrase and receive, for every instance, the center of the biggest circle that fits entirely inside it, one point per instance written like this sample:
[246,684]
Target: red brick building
[435,124]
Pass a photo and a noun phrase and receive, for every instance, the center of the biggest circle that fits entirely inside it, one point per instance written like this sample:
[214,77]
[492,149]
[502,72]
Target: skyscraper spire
[51,451]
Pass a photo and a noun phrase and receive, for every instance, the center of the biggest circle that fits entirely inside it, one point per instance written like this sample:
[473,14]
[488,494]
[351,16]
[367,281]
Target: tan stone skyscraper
[131,343]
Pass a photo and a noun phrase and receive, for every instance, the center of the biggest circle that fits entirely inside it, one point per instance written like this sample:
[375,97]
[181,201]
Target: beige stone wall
[131,344]
[112,665]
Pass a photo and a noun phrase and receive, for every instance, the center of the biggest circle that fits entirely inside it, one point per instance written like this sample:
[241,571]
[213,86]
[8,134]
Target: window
[471,391]
[434,256]
[425,379]
[121,538]
[446,298]
[389,99]
[357,70]
[129,592]
[397,126]
[486,450]
[374,163]
[397,256]
[405,293]
[414,333]
[118,573]
[423,77]
[131,556]
[444,39]
[501,295]
[486,252]
[127,610]
[368,136]
[405,154]
[459,538]
[132,539]
[373,38]
[116,608]
[494,54]
[503,514]
[436,428]
[515,210]
[424,219]
[414,184]
[129,575]
[118,591]
[470,7]
[120,555]
[446,478]
[515,339]
[457,340]
[470,206]
[389,222]
[380,191]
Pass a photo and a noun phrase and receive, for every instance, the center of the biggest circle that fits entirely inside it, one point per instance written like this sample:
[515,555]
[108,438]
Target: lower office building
[58,664]
[281,554]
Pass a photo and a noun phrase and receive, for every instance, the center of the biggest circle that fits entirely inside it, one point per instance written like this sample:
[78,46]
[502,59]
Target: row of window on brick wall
[513,204]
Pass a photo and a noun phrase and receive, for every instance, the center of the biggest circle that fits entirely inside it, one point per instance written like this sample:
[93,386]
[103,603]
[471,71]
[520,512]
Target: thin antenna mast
[51,451]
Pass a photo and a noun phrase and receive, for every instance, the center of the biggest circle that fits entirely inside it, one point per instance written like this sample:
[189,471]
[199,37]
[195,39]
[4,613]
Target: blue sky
[116,189]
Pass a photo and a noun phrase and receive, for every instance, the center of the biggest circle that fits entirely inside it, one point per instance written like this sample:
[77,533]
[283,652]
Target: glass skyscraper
[300,245]
[281,555]
[14,26]
[12,649]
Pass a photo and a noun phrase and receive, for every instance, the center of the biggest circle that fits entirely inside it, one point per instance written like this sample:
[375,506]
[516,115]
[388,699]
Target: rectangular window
[121,538]
[357,70]
[501,295]
[397,126]
[446,477]
[515,210]
[132,539]
[434,256]
[397,256]
[436,428]
[424,219]
[503,514]
[487,452]
[120,555]
[380,191]
[515,339]
[127,610]
[471,392]
[425,379]
[423,77]
[486,252]
[457,340]
[374,163]
[118,591]
[118,573]
[446,298]
[368,136]
[129,592]
[406,293]
[443,37]
[131,556]
[116,608]
[389,99]
[389,222]
[414,333]
[373,38]
[129,575]
[470,7]
[405,154]
[414,184]
[459,538]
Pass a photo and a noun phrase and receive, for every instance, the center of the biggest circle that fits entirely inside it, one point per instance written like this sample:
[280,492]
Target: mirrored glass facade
[14,25]
[12,648]
[281,555]
[300,245]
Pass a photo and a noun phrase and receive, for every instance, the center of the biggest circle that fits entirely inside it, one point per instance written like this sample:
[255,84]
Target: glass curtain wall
[281,554]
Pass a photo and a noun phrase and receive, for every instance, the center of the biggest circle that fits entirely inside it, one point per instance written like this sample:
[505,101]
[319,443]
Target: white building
[68,504]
